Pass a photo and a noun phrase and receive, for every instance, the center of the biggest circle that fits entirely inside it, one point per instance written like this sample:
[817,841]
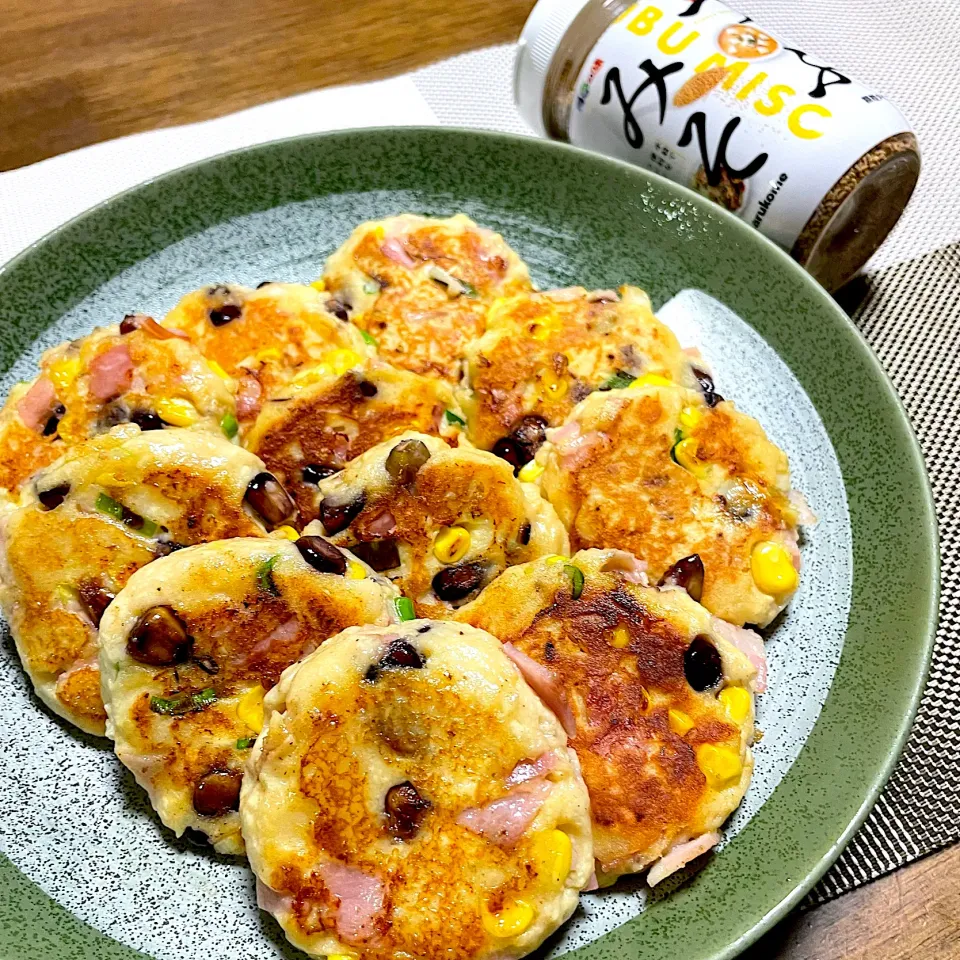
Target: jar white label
[700,94]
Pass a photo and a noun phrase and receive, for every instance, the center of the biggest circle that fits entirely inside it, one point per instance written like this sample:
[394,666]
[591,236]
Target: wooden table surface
[82,71]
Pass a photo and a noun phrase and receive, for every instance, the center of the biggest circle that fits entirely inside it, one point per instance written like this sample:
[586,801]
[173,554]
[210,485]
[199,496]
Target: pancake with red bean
[544,352]
[660,472]
[108,507]
[193,642]
[441,523]
[137,372]
[410,796]
[318,426]
[421,287]
[656,693]
[266,337]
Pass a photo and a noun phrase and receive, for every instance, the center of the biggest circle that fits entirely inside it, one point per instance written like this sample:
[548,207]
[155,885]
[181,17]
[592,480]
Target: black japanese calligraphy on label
[820,90]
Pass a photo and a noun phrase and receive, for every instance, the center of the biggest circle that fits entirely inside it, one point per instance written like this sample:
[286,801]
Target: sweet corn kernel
[689,418]
[319,285]
[250,708]
[509,921]
[451,544]
[355,571]
[341,956]
[556,558]
[268,353]
[218,370]
[651,380]
[554,387]
[720,765]
[340,361]
[552,855]
[541,329]
[737,702]
[177,412]
[379,233]
[679,722]
[620,638]
[772,568]
[685,453]
[63,373]
[530,472]
[287,532]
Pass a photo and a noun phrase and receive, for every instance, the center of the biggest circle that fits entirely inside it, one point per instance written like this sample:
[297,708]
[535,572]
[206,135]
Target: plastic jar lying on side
[702,95]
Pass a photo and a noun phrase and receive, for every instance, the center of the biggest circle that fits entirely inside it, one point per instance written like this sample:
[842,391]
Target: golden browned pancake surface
[422,287]
[657,472]
[191,645]
[411,797]
[666,758]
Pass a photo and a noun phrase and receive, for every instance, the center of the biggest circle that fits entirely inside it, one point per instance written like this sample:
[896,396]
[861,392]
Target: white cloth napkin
[906,52]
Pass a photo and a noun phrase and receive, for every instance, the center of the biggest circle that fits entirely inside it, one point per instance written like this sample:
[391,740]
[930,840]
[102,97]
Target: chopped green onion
[617,381]
[183,703]
[404,608]
[112,508]
[576,579]
[229,425]
[265,581]
[368,338]
[246,743]
[453,419]
[371,286]
[469,289]
[677,437]
[106,504]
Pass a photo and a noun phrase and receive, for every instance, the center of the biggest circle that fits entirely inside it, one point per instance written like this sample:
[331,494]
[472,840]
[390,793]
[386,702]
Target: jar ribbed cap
[545,27]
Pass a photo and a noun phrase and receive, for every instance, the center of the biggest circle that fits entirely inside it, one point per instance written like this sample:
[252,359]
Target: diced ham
[545,686]
[271,901]
[792,546]
[805,516]
[679,856]
[531,769]
[148,325]
[592,883]
[748,643]
[576,451]
[249,397]
[360,900]
[505,820]
[633,570]
[561,435]
[603,296]
[393,249]
[383,525]
[111,372]
[566,294]
[340,447]
[37,404]
[277,638]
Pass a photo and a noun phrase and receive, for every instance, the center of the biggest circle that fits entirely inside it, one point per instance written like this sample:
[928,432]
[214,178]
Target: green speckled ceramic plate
[88,872]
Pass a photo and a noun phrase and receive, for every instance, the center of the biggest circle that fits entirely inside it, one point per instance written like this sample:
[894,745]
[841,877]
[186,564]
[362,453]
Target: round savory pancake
[268,336]
[137,371]
[422,287]
[410,796]
[659,472]
[440,522]
[318,426]
[191,644]
[87,522]
[656,697]
[544,352]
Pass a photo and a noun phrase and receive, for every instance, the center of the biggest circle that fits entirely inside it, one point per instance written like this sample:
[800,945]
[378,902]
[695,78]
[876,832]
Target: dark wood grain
[82,71]
[74,72]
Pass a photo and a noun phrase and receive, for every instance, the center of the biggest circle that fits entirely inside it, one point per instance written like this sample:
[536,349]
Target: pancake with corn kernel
[192,643]
[88,521]
[441,523]
[317,427]
[410,796]
[138,371]
[656,693]
[659,472]
[266,337]
[421,287]
[544,352]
